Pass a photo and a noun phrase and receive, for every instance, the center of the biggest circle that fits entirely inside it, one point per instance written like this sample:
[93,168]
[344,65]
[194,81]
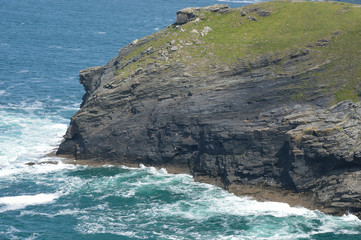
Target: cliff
[261,100]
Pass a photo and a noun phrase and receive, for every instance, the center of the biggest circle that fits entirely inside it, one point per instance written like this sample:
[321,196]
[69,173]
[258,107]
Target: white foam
[23,105]
[19,168]
[142,166]
[128,194]
[72,212]
[247,206]
[201,203]
[33,236]
[220,201]
[57,47]
[19,202]
[351,218]
[9,232]
[338,225]
[26,139]
[152,170]
[35,213]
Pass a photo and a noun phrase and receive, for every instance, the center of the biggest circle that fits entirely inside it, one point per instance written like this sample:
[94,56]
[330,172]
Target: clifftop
[220,39]
[251,98]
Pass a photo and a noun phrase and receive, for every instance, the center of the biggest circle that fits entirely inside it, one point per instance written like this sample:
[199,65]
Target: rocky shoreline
[271,120]
[259,193]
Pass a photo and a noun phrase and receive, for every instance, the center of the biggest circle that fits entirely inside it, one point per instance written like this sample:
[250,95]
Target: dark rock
[185,16]
[44,162]
[264,13]
[49,162]
[322,42]
[252,18]
[239,125]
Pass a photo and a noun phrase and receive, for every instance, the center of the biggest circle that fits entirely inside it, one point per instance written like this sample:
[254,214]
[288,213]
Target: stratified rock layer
[240,123]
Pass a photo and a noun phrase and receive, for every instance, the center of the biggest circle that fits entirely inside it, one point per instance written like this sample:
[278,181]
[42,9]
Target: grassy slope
[290,28]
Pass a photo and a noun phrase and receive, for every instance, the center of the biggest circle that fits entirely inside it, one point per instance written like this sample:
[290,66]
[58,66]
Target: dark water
[43,46]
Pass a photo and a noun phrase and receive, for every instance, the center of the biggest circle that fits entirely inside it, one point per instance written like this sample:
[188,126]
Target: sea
[43,46]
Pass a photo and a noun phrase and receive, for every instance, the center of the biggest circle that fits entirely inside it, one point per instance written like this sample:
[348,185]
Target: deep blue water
[43,46]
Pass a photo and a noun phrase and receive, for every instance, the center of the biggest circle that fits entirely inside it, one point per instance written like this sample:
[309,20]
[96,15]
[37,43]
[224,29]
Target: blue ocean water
[43,46]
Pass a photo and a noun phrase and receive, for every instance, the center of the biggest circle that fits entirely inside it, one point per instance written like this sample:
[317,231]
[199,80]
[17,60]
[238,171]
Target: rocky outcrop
[189,14]
[255,122]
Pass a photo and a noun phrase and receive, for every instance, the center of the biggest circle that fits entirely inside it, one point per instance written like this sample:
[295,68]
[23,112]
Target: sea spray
[19,202]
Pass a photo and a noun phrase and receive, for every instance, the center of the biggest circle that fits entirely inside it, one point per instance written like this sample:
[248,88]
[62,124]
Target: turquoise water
[43,46]
[69,202]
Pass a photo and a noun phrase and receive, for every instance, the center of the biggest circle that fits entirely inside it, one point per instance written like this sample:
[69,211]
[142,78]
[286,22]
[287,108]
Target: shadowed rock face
[238,124]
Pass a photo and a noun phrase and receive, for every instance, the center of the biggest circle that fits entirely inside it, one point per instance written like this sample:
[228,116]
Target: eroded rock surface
[240,124]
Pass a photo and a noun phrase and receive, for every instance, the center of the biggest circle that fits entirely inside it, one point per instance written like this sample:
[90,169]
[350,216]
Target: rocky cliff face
[272,120]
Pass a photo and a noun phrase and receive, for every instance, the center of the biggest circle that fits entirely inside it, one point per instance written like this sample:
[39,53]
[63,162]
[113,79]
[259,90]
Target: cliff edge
[262,100]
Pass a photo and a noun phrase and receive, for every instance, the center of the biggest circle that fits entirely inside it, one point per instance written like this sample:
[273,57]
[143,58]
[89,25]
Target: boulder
[189,14]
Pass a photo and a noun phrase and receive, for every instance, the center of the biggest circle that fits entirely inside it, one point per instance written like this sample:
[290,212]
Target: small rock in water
[44,162]
[49,162]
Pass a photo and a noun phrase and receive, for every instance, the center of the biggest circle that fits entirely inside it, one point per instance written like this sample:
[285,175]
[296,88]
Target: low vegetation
[329,31]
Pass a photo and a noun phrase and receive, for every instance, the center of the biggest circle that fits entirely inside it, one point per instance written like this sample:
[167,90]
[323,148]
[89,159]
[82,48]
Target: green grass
[290,28]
